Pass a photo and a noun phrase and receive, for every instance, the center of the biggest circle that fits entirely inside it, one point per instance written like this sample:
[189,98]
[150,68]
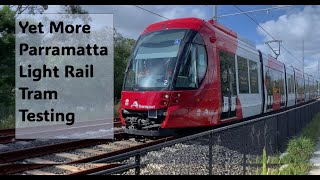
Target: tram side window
[301,86]
[227,73]
[254,87]
[275,87]
[187,77]
[281,83]
[269,81]
[243,75]
[278,82]
[298,87]
[290,84]
[201,62]
[274,81]
[306,85]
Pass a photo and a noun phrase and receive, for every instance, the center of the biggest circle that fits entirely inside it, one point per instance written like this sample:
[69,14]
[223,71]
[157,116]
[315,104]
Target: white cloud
[292,28]
[172,12]
[53,9]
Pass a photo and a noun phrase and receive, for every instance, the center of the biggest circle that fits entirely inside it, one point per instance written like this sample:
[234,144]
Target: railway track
[76,161]
[8,135]
[71,157]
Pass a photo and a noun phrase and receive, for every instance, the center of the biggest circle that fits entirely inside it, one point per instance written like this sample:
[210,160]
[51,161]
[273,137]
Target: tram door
[228,85]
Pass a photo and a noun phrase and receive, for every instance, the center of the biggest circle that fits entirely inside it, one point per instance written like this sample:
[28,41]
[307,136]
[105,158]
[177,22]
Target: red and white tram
[189,72]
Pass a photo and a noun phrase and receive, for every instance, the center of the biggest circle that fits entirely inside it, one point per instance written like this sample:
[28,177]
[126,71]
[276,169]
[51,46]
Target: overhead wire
[267,32]
[243,12]
[151,12]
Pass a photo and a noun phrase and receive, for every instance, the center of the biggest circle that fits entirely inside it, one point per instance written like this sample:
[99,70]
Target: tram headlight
[165,96]
[164,103]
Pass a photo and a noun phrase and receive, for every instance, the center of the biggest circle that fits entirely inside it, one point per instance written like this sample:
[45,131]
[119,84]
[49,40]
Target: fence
[228,150]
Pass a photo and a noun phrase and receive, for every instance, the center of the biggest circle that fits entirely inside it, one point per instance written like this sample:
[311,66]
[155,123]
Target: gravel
[190,159]
[84,165]
[81,153]
[178,159]
[78,152]
[55,158]
[55,170]
[96,147]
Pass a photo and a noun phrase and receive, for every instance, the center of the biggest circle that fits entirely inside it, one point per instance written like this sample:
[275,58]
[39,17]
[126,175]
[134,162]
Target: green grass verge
[296,161]
[299,151]
[8,122]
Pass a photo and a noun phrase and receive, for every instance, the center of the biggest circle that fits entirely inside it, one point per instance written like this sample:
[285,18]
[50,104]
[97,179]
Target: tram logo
[135,104]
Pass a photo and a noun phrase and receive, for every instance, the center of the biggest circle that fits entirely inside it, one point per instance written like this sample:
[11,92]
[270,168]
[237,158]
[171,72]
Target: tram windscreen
[153,60]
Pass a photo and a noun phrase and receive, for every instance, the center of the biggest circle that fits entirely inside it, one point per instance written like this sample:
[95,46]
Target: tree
[7,49]
[7,61]
[122,49]
[74,9]
[31,9]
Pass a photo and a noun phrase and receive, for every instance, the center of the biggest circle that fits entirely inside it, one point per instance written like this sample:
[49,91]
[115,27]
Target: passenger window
[269,81]
[281,85]
[253,77]
[202,62]
[288,83]
[243,75]
[227,73]
[187,77]
[291,84]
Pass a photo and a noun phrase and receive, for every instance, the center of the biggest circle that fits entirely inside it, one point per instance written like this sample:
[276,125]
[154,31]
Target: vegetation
[7,66]
[264,161]
[8,122]
[299,151]
[122,49]
[116,108]
[296,160]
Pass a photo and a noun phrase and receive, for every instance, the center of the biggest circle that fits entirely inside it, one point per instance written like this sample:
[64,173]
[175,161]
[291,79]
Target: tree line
[122,50]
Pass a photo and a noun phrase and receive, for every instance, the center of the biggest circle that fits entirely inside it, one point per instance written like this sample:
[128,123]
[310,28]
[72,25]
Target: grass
[299,151]
[8,122]
[264,162]
[312,130]
[7,116]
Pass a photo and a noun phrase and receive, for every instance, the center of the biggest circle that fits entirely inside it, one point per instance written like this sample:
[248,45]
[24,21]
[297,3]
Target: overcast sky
[291,25]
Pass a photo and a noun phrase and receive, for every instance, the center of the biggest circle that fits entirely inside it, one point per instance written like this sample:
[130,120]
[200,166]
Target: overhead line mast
[215,12]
